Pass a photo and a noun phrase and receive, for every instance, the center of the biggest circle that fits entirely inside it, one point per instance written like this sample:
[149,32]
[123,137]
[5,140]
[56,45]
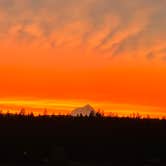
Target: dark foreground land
[93,141]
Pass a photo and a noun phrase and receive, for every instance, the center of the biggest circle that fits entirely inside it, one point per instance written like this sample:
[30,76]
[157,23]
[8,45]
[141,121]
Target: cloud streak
[116,28]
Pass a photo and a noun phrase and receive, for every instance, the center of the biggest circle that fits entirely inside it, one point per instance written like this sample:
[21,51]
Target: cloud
[114,27]
[151,56]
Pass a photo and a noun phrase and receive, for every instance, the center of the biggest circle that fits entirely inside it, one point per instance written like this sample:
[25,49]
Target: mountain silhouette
[84,111]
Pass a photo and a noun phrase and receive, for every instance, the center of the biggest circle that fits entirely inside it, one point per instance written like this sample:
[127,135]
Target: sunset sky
[62,54]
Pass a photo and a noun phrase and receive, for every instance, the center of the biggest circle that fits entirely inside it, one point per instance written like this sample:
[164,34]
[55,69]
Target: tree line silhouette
[98,113]
[95,139]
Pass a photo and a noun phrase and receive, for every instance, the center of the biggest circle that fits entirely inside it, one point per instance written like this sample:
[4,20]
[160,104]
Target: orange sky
[106,53]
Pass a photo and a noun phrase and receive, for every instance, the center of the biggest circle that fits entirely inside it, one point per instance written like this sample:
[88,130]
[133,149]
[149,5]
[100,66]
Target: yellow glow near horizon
[66,106]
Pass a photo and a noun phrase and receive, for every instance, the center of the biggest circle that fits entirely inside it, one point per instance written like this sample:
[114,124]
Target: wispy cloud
[116,27]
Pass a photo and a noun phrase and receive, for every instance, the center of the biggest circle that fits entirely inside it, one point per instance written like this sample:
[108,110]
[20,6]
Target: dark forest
[93,140]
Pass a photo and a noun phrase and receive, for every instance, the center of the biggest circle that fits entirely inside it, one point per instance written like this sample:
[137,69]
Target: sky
[111,54]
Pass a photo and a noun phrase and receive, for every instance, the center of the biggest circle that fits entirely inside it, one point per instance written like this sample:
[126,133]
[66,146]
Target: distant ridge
[84,111]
